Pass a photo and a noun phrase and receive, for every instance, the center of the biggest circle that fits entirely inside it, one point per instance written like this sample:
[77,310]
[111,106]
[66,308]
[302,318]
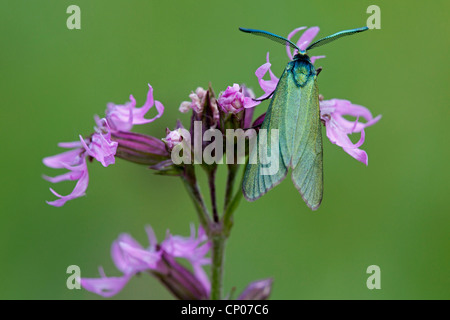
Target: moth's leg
[268,97]
[318,70]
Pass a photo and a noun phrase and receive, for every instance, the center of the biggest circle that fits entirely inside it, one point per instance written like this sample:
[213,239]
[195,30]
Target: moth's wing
[256,183]
[307,162]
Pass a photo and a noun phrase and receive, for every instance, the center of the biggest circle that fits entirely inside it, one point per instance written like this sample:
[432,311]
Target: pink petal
[151,237]
[358,154]
[307,37]
[105,287]
[85,146]
[200,253]
[78,191]
[123,117]
[250,103]
[273,78]
[121,260]
[71,175]
[340,137]
[344,107]
[202,277]
[70,145]
[190,248]
[68,157]
[150,259]
[138,114]
[289,37]
[201,234]
[101,147]
[338,128]
[262,70]
[118,258]
[314,58]
[268,86]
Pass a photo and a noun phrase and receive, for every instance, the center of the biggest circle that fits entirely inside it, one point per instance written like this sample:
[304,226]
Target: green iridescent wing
[255,183]
[294,111]
[307,158]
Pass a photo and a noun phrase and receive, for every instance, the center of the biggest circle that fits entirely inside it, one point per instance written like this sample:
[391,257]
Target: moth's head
[301,55]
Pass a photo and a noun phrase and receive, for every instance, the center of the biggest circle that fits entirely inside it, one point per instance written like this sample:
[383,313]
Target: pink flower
[123,117]
[338,128]
[204,106]
[197,101]
[126,263]
[233,100]
[257,290]
[194,249]
[173,138]
[74,161]
[130,258]
[101,147]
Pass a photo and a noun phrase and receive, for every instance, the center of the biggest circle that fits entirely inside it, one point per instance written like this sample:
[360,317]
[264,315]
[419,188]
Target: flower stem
[218,251]
[221,231]
[212,189]
[190,182]
[228,215]
[232,205]
[232,170]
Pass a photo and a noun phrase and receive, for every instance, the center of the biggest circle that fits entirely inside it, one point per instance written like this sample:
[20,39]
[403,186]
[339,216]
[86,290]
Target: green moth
[294,112]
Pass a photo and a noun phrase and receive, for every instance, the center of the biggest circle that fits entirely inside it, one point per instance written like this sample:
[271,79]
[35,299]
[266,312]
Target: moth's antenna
[335,36]
[271,36]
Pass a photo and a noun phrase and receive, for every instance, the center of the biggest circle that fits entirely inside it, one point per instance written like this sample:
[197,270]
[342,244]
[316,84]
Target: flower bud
[257,290]
[233,100]
[140,148]
[173,138]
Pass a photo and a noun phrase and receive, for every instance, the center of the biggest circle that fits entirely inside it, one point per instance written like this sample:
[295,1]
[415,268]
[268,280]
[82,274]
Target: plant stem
[212,189]
[217,229]
[190,182]
[228,215]
[232,170]
[232,205]
[221,231]
[218,251]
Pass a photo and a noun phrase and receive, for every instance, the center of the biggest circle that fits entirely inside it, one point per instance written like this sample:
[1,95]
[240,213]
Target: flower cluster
[203,104]
[159,260]
[101,145]
[234,100]
[233,109]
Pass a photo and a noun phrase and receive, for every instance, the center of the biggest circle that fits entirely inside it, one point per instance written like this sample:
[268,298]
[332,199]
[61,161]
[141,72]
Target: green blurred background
[393,213]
